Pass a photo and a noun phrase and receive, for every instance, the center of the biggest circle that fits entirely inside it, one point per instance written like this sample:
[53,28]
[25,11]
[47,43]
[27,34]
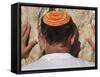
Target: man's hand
[25,45]
[89,40]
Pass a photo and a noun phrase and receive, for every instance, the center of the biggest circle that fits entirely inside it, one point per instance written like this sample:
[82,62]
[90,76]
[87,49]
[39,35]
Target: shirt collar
[56,55]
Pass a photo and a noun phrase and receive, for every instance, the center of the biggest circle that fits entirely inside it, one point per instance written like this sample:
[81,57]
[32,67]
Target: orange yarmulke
[56,18]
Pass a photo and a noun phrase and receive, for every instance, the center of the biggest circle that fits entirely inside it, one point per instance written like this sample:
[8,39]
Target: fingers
[27,49]
[24,27]
[89,40]
[27,33]
[25,46]
[23,30]
[91,43]
[93,28]
[30,46]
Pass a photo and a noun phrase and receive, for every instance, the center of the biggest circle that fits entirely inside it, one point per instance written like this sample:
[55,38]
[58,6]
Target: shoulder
[83,63]
[57,61]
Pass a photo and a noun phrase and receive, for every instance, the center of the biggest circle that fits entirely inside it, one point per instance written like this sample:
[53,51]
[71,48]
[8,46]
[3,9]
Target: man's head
[57,30]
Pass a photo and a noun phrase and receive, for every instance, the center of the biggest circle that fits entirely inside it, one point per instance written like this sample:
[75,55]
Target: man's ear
[42,41]
[73,39]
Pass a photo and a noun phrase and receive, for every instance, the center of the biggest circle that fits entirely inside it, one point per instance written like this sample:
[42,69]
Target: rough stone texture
[84,20]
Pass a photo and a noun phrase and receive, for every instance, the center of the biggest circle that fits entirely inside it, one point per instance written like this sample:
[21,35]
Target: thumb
[30,46]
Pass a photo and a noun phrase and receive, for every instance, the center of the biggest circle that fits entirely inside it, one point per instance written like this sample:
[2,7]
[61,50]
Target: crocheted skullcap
[56,18]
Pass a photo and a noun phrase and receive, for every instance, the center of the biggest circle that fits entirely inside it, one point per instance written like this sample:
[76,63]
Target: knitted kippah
[56,18]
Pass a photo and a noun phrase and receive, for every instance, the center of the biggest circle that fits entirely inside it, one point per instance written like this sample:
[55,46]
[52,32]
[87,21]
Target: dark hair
[58,34]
